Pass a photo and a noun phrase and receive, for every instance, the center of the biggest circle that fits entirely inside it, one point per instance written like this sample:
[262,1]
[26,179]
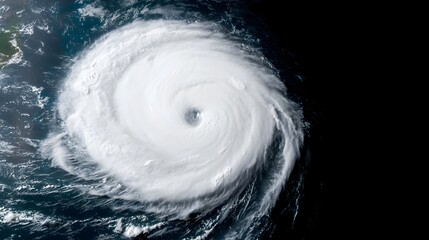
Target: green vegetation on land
[7,50]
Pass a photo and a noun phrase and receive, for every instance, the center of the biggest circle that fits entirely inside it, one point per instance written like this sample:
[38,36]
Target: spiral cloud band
[176,113]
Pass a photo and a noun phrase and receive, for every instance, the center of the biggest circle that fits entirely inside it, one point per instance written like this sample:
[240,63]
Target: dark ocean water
[39,200]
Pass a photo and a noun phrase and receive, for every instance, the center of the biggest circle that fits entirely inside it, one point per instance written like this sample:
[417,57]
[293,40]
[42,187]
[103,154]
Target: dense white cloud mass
[178,114]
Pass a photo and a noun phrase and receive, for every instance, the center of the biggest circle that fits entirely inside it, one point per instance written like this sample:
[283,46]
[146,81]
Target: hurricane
[178,114]
[168,127]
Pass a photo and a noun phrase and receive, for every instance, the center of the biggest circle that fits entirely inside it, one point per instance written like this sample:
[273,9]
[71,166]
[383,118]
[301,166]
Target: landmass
[7,49]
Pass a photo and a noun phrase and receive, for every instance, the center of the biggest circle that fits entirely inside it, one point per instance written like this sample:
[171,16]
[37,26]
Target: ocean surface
[40,42]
